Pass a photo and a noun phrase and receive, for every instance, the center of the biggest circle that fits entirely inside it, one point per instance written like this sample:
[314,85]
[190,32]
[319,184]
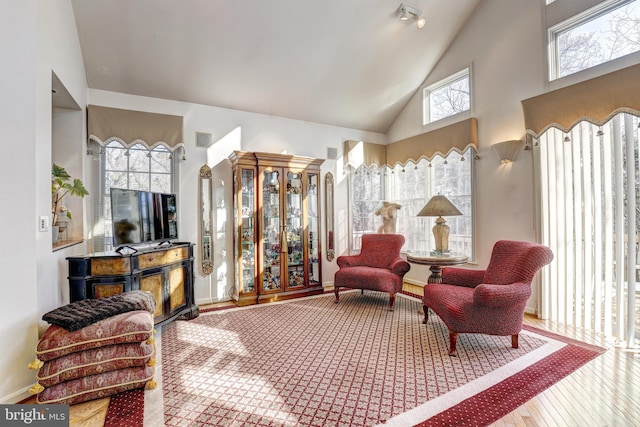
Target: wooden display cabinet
[166,271]
[276,219]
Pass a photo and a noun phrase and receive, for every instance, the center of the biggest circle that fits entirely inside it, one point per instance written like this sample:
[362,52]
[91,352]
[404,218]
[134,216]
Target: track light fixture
[409,13]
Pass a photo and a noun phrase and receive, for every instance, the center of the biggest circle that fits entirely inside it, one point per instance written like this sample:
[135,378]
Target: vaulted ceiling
[349,63]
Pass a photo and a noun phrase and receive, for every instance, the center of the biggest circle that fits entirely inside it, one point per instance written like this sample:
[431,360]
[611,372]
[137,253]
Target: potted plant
[61,185]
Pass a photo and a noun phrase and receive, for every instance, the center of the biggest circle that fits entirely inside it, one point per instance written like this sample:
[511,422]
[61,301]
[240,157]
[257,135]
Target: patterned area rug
[311,362]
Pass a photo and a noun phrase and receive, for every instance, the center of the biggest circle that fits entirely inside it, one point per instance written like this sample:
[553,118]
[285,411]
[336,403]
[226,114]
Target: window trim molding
[447,80]
[575,20]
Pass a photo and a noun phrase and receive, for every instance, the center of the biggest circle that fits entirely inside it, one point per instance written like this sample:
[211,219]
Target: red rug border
[506,397]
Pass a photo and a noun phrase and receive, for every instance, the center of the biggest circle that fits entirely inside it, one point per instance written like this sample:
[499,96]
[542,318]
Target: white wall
[503,42]
[43,38]
[238,130]
[18,305]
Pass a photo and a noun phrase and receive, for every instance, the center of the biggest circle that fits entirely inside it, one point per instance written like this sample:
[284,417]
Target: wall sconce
[408,13]
[507,150]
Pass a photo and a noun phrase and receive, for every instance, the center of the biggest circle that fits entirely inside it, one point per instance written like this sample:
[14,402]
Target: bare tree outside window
[447,97]
[134,168]
[595,39]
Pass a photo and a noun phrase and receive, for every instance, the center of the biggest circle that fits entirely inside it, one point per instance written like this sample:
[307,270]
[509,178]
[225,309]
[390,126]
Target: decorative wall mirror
[328,194]
[205,213]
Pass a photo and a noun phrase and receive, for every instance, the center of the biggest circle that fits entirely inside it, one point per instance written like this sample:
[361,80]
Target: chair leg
[514,341]
[426,314]
[453,339]
[392,301]
[361,291]
[335,291]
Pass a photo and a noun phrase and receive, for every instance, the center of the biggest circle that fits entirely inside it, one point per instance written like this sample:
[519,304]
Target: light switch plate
[44,223]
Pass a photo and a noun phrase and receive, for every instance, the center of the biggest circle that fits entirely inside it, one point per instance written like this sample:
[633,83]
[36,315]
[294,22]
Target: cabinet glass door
[271,230]
[294,230]
[247,231]
[313,230]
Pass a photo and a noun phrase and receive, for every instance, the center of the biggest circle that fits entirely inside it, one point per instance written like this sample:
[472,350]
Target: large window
[366,194]
[590,218]
[447,97]
[609,31]
[412,186]
[136,168]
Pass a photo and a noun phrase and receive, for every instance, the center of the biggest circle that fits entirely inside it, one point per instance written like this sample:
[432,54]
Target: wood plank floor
[604,392]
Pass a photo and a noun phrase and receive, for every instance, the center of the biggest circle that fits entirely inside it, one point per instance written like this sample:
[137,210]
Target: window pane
[139,181]
[366,195]
[115,157]
[161,183]
[596,39]
[447,97]
[412,186]
[449,100]
[161,160]
[138,159]
[115,180]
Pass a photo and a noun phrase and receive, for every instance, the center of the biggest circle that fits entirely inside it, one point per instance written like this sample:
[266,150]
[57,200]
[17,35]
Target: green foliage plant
[62,185]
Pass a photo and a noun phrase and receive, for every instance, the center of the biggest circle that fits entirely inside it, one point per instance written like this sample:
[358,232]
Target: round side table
[436,262]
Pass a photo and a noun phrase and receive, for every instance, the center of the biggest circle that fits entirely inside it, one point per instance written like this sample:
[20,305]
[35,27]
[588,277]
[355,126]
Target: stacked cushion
[104,358]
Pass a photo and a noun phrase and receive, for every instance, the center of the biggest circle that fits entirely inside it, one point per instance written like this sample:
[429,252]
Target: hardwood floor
[604,392]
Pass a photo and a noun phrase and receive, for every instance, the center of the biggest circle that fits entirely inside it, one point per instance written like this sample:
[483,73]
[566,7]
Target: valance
[133,127]
[358,153]
[456,137]
[595,100]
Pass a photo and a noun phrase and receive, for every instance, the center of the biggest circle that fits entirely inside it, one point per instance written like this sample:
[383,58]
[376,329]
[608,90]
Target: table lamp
[440,206]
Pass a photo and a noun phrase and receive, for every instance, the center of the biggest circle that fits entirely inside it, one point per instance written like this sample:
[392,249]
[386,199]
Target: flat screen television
[143,216]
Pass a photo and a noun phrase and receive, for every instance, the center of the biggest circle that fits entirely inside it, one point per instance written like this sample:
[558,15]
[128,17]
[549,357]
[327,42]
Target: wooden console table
[165,270]
[436,262]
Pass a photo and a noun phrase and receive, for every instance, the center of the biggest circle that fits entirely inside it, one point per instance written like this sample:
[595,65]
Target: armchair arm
[348,261]
[501,295]
[400,267]
[462,276]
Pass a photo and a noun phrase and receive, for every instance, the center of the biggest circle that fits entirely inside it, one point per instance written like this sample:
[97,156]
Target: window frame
[101,240]
[575,21]
[434,186]
[447,81]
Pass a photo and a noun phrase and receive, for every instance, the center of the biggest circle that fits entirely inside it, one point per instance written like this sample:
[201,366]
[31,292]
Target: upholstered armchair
[378,267]
[490,301]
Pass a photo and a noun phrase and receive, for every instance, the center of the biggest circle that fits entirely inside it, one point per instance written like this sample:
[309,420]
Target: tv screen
[143,216]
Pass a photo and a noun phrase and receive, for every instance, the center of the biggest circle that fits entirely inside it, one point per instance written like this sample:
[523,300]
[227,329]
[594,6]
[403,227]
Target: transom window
[447,97]
[599,35]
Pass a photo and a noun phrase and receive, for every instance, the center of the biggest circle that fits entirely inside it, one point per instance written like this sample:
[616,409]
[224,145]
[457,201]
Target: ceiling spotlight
[408,13]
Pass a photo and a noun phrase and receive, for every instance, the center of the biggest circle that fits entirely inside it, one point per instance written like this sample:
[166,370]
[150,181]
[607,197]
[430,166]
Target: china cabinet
[276,223]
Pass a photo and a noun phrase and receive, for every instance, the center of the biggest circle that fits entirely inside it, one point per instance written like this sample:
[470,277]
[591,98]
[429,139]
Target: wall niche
[66,151]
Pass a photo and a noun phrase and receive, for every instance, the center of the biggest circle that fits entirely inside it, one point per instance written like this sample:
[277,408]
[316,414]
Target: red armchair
[378,267]
[490,301]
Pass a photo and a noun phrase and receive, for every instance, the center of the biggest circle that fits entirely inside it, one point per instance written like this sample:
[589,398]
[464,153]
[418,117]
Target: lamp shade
[439,206]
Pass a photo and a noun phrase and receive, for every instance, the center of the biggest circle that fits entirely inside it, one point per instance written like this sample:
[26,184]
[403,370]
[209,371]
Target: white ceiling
[348,63]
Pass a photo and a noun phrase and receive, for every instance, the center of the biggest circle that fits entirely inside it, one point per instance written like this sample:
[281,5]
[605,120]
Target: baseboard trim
[17,397]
